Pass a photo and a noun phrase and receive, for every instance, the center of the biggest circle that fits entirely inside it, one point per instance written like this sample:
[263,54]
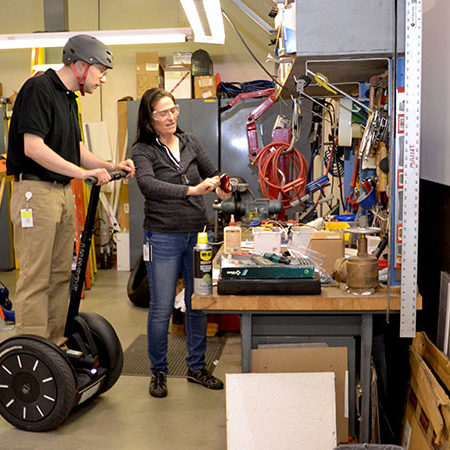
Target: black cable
[253,55]
[341,192]
[290,91]
[235,88]
[256,85]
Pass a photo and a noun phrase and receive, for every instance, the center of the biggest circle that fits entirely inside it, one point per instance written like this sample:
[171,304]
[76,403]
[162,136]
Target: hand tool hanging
[282,168]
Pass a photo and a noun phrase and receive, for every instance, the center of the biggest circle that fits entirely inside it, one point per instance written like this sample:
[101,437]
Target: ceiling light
[205,18]
[43,67]
[108,37]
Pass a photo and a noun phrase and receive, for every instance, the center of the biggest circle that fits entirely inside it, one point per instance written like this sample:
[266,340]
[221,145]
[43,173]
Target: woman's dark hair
[145,131]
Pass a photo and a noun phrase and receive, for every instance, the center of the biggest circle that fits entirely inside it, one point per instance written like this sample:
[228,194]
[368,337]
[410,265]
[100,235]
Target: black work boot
[204,378]
[158,384]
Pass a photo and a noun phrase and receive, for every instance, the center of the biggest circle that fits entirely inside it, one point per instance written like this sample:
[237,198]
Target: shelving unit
[349,41]
[347,73]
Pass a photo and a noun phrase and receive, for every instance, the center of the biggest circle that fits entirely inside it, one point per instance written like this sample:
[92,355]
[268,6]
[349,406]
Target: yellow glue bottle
[232,237]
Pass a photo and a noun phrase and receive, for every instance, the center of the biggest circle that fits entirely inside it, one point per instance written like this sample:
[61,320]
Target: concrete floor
[127,417]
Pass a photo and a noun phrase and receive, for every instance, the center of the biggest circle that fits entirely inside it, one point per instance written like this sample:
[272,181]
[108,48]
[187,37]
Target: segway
[41,383]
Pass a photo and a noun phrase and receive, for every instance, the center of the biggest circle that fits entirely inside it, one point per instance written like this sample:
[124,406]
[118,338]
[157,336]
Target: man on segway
[45,152]
[40,382]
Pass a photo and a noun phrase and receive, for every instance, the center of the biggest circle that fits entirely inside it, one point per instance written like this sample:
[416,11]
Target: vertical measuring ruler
[411,166]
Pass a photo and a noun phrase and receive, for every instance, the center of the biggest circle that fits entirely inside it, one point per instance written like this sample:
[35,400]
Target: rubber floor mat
[136,361]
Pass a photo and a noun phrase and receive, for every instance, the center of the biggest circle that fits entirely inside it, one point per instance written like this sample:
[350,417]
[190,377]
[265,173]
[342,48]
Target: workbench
[282,318]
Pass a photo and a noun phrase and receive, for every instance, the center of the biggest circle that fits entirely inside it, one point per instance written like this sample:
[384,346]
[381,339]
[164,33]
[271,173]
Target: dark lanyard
[177,164]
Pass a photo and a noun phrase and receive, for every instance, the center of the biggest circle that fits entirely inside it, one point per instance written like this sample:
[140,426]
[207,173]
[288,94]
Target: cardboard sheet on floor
[280,410]
[309,359]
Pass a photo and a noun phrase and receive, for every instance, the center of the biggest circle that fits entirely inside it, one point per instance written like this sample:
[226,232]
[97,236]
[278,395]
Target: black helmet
[88,49]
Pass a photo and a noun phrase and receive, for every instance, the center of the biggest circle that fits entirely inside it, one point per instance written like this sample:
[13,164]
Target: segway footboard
[95,338]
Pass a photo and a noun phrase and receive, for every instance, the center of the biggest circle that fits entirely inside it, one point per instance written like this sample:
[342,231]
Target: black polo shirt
[46,108]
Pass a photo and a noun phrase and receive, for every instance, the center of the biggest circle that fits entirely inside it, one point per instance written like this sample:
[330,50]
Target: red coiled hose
[291,182]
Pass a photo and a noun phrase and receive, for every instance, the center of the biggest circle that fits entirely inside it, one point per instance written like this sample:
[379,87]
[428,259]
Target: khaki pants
[44,253]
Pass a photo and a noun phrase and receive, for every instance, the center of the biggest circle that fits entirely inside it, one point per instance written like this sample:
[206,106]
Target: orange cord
[273,158]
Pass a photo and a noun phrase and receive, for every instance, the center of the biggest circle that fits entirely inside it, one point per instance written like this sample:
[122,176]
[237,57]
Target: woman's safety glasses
[164,114]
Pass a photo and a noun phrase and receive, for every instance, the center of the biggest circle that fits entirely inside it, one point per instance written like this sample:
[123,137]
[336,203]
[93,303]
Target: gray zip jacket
[164,184]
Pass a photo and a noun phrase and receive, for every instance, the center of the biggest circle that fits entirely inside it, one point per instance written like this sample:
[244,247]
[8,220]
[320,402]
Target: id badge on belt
[26,214]
[147,251]
[26,217]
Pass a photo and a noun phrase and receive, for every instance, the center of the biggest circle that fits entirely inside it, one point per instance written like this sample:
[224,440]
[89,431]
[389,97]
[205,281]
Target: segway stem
[79,275]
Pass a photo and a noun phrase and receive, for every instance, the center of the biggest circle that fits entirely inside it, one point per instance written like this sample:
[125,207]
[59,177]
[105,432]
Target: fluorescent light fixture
[44,67]
[108,37]
[36,68]
[205,18]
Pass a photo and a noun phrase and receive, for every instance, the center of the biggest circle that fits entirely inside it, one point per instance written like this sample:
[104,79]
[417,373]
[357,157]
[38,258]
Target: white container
[267,240]
[300,236]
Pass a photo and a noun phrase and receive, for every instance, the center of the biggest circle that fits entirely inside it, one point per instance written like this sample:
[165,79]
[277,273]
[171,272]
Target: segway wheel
[138,288]
[37,384]
[109,348]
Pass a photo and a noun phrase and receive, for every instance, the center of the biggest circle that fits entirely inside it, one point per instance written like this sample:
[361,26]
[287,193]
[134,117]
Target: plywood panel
[304,360]
[285,411]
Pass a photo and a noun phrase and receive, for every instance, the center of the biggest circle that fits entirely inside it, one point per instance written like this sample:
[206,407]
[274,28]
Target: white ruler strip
[411,166]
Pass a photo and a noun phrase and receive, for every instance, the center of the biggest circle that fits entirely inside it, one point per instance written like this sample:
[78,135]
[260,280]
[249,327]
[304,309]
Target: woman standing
[173,172]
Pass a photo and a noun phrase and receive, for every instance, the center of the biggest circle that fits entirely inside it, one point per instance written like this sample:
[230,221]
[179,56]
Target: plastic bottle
[232,237]
[202,265]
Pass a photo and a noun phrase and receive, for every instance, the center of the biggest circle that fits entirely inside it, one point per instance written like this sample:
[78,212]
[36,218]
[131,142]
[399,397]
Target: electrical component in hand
[276,162]
[225,182]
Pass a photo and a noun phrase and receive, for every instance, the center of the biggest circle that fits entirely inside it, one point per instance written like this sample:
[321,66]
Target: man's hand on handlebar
[101,176]
[128,166]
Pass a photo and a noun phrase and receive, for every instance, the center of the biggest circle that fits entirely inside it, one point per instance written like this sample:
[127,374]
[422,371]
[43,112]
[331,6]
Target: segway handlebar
[114,176]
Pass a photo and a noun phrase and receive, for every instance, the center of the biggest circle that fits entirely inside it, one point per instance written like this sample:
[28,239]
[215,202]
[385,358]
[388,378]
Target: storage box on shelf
[178,81]
[149,73]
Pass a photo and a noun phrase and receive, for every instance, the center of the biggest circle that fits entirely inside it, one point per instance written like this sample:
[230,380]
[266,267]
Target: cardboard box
[426,424]
[308,359]
[205,86]
[182,58]
[177,81]
[330,245]
[149,73]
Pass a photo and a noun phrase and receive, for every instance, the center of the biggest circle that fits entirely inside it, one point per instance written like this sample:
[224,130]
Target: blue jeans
[170,254]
